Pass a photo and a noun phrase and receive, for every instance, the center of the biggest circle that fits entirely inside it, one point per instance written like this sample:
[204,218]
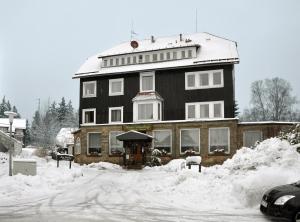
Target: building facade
[178,89]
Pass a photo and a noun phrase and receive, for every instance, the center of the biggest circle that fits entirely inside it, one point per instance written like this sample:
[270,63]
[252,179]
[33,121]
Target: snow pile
[292,135]
[193,159]
[104,166]
[65,137]
[27,152]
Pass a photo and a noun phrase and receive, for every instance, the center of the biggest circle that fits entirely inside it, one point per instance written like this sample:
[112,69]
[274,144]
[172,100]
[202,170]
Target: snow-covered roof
[17,123]
[65,136]
[142,96]
[212,50]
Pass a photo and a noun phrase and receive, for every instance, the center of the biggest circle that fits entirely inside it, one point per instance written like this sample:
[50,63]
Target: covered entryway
[136,145]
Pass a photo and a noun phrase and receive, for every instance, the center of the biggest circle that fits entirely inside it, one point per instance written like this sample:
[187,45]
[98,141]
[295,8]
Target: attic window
[154,57]
[140,58]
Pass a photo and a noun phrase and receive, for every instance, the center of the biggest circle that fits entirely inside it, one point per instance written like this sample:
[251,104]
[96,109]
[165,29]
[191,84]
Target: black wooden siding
[170,84]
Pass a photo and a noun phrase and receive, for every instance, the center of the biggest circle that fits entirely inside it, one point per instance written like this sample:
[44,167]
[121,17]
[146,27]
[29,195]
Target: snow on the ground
[106,190]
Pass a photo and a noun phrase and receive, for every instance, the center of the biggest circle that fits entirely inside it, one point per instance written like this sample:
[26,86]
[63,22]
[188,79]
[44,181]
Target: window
[128,60]
[191,111]
[174,55]
[94,144]
[89,89]
[111,62]
[251,137]
[168,55]
[162,140]
[140,58]
[105,63]
[134,59]
[189,140]
[88,116]
[147,82]
[115,146]
[219,140]
[77,146]
[161,56]
[154,57]
[205,110]
[145,111]
[117,61]
[116,114]
[190,53]
[204,79]
[147,58]
[123,61]
[116,87]
[182,54]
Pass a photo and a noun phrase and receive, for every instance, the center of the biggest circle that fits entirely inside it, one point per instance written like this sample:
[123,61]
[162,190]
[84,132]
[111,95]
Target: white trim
[228,152]
[83,89]
[171,138]
[199,144]
[109,136]
[142,74]
[83,116]
[115,108]
[211,109]
[122,87]
[247,131]
[88,142]
[210,79]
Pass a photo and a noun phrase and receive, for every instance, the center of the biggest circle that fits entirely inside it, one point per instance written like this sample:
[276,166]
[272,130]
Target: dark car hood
[285,190]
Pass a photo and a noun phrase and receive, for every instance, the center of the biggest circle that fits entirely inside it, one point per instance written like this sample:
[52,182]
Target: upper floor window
[128,60]
[89,89]
[219,140]
[190,53]
[161,56]
[147,58]
[154,57]
[204,110]
[174,55]
[162,140]
[117,61]
[140,58]
[147,82]
[116,87]
[116,114]
[204,79]
[123,61]
[182,54]
[168,56]
[134,59]
[88,116]
[105,62]
[111,62]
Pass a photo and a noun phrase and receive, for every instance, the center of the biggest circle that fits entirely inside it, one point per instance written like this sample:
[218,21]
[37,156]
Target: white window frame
[210,79]
[115,108]
[109,143]
[142,74]
[247,131]
[122,87]
[171,139]
[155,110]
[83,89]
[198,129]
[88,142]
[211,109]
[228,152]
[83,116]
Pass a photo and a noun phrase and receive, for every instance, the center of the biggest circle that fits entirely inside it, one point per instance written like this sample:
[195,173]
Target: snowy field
[105,192]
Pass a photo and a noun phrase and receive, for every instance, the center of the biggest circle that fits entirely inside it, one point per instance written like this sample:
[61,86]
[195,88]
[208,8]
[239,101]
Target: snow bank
[193,159]
[104,166]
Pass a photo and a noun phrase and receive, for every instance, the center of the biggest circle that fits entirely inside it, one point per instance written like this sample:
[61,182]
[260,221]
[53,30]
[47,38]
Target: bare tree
[271,99]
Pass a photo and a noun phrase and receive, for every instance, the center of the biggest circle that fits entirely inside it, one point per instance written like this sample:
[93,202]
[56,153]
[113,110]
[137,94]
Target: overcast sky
[42,43]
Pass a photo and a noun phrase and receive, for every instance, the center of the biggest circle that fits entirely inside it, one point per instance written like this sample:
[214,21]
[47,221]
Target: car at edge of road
[282,202]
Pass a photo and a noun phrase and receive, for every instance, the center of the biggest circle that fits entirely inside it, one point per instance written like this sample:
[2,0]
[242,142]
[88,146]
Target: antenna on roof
[132,32]
[196,20]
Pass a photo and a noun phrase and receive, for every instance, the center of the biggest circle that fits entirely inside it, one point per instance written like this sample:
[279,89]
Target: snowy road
[118,195]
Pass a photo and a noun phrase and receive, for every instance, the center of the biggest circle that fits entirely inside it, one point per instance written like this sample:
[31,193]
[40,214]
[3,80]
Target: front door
[137,156]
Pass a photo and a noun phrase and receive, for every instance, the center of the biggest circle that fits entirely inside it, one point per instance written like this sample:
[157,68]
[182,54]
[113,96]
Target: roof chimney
[152,39]
[180,37]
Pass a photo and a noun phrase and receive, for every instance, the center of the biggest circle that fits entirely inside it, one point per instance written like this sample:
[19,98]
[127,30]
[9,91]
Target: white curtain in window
[204,79]
[116,115]
[217,78]
[204,111]
[190,138]
[191,80]
[162,138]
[89,88]
[116,87]
[115,146]
[145,111]
[218,138]
[251,137]
[191,111]
[217,110]
[147,83]
[94,140]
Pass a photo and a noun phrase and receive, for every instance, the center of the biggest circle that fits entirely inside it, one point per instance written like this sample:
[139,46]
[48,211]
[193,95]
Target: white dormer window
[168,55]
[116,87]
[161,56]
[134,59]
[147,82]
[105,62]
[111,62]
[117,61]
[89,89]
[154,57]
[190,53]
[147,58]
[140,58]
[174,55]
[182,54]
[123,61]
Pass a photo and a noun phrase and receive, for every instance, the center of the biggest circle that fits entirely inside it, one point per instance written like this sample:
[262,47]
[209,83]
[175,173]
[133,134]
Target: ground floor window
[189,140]
[115,146]
[94,144]
[252,137]
[219,140]
[77,146]
[162,140]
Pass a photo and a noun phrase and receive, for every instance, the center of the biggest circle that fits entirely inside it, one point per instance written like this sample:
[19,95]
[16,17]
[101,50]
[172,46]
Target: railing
[6,142]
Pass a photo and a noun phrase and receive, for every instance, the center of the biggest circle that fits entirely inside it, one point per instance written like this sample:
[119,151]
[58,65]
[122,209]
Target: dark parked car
[282,202]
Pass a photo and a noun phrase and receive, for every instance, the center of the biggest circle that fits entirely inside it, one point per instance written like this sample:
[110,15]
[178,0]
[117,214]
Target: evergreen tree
[62,110]
[14,109]
[27,134]
[236,109]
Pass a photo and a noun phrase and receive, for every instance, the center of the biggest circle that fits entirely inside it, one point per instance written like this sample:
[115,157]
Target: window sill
[93,155]
[219,154]
[90,96]
[116,94]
